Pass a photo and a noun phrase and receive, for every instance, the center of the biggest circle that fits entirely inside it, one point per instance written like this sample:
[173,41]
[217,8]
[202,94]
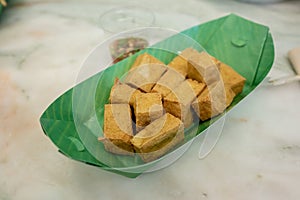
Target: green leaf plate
[73,121]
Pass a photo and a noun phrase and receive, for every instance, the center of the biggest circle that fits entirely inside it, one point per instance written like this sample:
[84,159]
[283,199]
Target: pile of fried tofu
[153,104]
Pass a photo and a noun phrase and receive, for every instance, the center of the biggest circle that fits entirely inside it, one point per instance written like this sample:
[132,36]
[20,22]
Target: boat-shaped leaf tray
[244,45]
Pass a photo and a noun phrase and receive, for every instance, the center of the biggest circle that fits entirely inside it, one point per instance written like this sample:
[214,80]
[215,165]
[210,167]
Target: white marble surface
[257,156]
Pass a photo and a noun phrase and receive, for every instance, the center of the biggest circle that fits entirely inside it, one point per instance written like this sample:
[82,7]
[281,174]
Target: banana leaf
[74,120]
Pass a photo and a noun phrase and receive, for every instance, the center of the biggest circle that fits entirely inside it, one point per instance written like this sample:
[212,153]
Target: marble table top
[256,157]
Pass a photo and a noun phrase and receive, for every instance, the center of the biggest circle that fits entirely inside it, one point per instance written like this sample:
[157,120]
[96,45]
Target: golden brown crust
[201,67]
[180,62]
[145,76]
[151,87]
[145,58]
[179,101]
[117,128]
[215,61]
[122,93]
[231,78]
[147,108]
[158,137]
[117,146]
[213,101]
[168,82]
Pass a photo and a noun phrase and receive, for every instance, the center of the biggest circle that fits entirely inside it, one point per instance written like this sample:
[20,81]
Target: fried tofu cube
[118,129]
[213,100]
[178,102]
[145,58]
[122,93]
[180,62]
[145,76]
[203,68]
[168,82]
[147,108]
[159,137]
[216,61]
[231,78]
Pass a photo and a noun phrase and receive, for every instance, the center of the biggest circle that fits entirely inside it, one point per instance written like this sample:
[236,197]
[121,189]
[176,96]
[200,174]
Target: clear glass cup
[124,18]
